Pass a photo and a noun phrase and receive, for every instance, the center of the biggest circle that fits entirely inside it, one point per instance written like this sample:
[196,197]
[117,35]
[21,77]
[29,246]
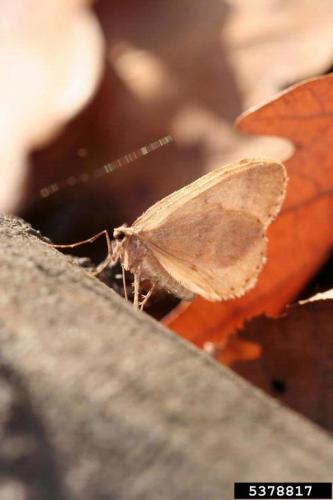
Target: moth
[207,238]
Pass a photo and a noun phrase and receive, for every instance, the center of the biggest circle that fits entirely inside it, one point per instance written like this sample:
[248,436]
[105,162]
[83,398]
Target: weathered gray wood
[98,401]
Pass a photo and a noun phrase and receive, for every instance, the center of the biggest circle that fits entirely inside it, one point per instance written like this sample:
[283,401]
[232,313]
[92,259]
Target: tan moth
[207,238]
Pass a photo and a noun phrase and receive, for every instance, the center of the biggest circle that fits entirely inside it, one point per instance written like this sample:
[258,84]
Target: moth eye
[119,236]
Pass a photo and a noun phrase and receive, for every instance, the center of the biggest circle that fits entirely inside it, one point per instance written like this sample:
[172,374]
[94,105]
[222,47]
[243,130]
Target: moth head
[120,235]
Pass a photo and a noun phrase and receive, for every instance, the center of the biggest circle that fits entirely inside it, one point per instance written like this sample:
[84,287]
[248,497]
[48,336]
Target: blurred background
[86,82]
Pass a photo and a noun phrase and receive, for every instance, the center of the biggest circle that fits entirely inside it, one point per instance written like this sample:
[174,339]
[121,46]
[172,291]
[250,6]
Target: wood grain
[98,401]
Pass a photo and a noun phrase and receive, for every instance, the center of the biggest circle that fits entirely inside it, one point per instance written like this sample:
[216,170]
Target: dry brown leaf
[301,238]
[272,44]
[296,361]
[51,59]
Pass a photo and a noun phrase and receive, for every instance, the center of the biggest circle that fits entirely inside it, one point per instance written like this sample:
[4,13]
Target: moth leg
[147,297]
[136,289]
[106,261]
[124,282]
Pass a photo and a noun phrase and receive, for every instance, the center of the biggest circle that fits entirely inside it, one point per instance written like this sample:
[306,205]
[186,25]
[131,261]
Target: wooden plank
[98,401]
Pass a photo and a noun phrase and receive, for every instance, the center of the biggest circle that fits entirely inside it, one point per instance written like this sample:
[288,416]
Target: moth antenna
[73,180]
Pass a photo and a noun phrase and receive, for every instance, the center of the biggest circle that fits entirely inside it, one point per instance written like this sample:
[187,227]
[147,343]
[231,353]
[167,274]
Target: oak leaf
[301,238]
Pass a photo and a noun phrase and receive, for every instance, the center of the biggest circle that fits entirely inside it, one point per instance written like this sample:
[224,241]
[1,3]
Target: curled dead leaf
[302,236]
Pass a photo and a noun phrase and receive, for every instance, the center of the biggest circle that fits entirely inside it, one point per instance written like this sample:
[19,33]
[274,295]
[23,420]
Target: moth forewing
[255,186]
[212,252]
